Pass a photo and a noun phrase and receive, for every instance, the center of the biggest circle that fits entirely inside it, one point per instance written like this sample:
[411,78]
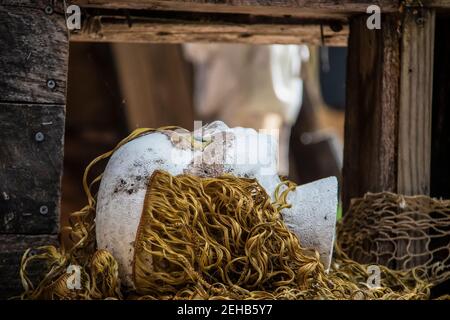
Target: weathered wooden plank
[416,86]
[31,157]
[316,8]
[415,112]
[388,135]
[435,4]
[373,77]
[12,248]
[393,153]
[440,150]
[271,7]
[33,51]
[179,27]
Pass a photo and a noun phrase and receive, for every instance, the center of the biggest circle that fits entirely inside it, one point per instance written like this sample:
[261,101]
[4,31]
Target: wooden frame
[34,48]
[390,71]
[178,27]
[388,115]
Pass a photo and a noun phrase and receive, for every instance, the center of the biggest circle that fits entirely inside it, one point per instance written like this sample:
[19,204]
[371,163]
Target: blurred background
[115,88]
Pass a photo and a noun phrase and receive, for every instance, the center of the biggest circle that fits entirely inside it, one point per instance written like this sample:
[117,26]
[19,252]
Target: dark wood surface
[440,152]
[178,27]
[238,21]
[373,92]
[12,248]
[272,7]
[33,51]
[388,115]
[30,169]
[33,67]
[440,147]
[389,108]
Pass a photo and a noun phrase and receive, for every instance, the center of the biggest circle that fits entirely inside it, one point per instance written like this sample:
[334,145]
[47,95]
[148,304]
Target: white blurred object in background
[257,86]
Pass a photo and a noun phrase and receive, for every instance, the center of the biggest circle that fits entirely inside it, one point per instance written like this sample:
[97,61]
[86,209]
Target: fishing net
[400,232]
[224,238]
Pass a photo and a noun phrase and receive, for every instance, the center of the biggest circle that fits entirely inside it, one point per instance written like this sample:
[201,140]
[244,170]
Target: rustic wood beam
[33,63]
[434,4]
[373,92]
[415,113]
[277,7]
[179,27]
[33,52]
[416,87]
[303,8]
[388,116]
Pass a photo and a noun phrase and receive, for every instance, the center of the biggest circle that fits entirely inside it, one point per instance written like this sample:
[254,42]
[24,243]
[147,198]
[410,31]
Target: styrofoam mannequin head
[212,151]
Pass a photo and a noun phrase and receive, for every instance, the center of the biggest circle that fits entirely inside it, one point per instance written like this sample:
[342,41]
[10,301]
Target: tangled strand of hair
[53,263]
[207,238]
[210,238]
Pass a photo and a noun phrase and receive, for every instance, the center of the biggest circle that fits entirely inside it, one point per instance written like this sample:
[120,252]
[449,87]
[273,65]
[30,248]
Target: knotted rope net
[224,238]
[400,232]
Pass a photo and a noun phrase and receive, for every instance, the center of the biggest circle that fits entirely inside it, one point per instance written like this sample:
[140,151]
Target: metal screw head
[51,84]
[39,136]
[48,10]
[43,210]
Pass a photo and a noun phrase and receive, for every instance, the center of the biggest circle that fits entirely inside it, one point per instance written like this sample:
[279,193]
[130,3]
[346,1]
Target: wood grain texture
[373,77]
[440,152]
[303,8]
[30,170]
[12,248]
[436,4]
[416,87]
[179,27]
[33,50]
[388,116]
